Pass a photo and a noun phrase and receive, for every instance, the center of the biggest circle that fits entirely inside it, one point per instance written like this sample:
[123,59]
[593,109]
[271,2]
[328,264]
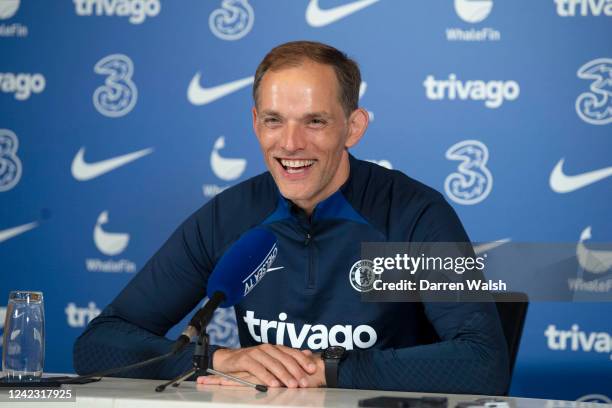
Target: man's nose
[293,138]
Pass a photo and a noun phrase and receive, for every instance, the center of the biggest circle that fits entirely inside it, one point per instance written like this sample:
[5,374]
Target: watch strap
[331,372]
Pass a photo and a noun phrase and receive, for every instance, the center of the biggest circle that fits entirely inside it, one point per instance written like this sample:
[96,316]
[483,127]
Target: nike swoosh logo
[275,269]
[317,17]
[562,183]
[13,232]
[479,249]
[83,171]
[198,95]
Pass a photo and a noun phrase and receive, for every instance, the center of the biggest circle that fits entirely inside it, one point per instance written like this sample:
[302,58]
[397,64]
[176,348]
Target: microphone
[236,274]
[238,271]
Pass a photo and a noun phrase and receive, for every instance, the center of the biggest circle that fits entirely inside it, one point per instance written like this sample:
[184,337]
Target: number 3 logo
[117,97]
[10,165]
[473,182]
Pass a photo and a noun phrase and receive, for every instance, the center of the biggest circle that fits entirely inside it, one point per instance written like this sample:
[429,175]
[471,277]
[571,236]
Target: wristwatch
[331,358]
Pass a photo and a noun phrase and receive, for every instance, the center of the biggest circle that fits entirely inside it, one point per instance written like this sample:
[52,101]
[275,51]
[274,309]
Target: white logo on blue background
[81,316]
[199,95]
[223,330]
[22,84]
[473,11]
[136,10]
[318,17]
[595,398]
[8,8]
[233,20]
[593,261]
[361,275]
[10,165]
[227,169]
[473,181]
[595,107]
[117,97]
[109,243]
[584,8]
[383,163]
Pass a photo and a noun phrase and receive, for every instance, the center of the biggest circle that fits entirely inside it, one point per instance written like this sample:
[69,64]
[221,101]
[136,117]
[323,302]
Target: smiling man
[305,124]
[305,325]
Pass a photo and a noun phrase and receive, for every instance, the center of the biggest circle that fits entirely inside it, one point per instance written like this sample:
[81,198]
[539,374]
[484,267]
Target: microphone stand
[200,366]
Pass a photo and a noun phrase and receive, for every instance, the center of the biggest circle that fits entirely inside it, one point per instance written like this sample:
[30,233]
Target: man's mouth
[295,166]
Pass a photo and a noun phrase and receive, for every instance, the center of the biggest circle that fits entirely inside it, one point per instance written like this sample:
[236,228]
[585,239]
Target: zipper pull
[308,237]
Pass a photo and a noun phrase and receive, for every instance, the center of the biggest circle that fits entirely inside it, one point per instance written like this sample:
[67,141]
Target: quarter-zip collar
[335,206]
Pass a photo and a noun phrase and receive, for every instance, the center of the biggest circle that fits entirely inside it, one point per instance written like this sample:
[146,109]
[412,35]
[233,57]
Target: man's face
[304,133]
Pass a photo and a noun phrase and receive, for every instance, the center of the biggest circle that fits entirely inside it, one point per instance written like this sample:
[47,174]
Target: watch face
[334,352]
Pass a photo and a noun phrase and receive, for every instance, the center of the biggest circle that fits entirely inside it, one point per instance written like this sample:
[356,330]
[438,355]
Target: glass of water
[23,345]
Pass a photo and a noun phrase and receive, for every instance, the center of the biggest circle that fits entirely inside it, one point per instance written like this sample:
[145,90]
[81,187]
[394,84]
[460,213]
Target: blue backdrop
[119,118]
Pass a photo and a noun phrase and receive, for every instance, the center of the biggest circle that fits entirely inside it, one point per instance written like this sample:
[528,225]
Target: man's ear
[357,124]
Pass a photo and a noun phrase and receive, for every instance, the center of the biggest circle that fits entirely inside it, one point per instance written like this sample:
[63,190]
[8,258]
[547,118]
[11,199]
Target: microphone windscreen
[243,265]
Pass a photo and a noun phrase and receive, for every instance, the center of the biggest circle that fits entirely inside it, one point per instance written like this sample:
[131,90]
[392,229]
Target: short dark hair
[293,54]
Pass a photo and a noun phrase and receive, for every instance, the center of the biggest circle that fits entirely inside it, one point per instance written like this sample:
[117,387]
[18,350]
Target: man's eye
[271,121]
[317,122]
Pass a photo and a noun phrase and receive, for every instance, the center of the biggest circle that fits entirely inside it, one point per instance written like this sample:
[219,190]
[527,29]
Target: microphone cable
[177,347]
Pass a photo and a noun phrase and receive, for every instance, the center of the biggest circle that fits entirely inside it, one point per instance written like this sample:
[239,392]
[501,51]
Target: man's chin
[295,193]
[291,194]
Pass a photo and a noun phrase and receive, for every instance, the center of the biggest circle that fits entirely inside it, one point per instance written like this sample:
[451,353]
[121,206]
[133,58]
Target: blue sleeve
[133,326]
[471,356]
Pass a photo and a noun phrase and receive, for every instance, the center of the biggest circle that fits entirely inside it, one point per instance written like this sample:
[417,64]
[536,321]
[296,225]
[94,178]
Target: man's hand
[272,365]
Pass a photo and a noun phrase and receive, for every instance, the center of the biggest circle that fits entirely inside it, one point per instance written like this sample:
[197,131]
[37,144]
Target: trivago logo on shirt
[314,337]
[578,340]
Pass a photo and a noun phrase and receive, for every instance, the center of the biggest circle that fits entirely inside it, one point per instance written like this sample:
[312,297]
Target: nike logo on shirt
[199,95]
[318,17]
[562,183]
[83,171]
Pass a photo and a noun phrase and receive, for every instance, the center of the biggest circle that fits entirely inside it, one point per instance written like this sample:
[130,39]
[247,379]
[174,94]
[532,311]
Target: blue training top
[310,299]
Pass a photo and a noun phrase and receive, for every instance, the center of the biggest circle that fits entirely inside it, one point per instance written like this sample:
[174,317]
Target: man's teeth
[296,166]
[296,163]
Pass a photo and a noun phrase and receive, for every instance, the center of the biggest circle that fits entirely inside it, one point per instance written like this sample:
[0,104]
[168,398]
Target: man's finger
[260,369]
[303,357]
[209,379]
[220,380]
[290,363]
[279,365]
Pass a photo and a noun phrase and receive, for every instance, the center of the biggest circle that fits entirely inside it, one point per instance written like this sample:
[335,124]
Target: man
[321,203]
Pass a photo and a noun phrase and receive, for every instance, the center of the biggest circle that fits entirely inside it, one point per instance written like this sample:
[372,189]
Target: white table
[118,392]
